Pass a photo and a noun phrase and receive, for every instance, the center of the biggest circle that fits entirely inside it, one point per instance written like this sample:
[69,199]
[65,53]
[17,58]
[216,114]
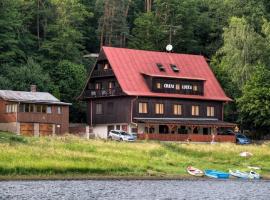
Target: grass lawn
[78,158]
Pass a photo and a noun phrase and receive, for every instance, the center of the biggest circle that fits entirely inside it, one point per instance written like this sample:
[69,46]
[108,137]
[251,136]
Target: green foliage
[254,105]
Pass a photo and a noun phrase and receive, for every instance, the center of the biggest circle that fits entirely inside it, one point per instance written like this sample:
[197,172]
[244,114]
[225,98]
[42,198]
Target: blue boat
[216,174]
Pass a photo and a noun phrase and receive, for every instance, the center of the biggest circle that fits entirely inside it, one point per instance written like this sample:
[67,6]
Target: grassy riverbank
[71,157]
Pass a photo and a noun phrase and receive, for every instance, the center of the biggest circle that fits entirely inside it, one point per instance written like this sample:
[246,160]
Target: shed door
[45,129]
[27,129]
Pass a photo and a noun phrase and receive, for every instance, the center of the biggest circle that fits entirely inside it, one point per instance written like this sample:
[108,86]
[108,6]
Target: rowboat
[216,174]
[245,175]
[194,171]
[239,174]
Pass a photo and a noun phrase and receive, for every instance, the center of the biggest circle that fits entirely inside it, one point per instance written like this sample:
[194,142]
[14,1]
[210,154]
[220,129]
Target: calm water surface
[141,190]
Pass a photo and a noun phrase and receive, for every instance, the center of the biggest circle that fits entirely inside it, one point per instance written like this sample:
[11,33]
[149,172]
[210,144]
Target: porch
[196,130]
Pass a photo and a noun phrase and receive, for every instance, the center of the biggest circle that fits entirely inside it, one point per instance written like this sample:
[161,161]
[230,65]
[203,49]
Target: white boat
[239,174]
[244,175]
[194,171]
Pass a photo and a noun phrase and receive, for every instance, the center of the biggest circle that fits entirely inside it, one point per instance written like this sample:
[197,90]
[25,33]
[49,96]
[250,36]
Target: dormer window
[174,68]
[160,67]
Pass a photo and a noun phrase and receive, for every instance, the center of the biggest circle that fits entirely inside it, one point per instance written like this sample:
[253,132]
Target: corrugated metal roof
[129,64]
[30,97]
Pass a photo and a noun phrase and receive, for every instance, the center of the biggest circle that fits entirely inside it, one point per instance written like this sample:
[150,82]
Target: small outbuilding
[33,113]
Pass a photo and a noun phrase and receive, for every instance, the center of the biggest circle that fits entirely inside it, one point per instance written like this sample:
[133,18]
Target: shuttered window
[177,109]
[159,108]
[195,110]
[210,111]
[143,108]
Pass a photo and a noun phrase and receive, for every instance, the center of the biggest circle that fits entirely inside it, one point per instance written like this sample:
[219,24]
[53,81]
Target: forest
[46,42]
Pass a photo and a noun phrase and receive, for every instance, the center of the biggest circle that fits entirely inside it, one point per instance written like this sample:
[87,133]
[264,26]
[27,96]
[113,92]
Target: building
[33,113]
[159,95]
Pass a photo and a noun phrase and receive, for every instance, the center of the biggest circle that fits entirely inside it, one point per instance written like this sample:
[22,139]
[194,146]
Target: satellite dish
[169,47]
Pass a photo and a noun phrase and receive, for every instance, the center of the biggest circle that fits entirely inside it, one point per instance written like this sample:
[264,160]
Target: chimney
[33,88]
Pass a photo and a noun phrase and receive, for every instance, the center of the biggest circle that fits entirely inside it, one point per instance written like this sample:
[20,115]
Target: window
[160,67]
[22,108]
[177,109]
[32,108]
[143,108]
[158,85]
[99,109]
[44,109]
[210,111]
[195,88]
[98,86]
[49,109]
[11,108]
[118,127]
[39,108]
[159,108]
[111,84]
[195,110]
[177,86]
[59,110]
[174,68]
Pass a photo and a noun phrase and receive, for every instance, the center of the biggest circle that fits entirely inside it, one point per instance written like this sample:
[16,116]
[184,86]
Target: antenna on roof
[169,48]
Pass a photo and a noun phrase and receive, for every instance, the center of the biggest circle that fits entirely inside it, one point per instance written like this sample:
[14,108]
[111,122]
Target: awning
[186,122]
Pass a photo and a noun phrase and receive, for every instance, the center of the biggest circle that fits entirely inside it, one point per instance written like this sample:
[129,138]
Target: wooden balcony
[102,73]
[186,137]
[104,92]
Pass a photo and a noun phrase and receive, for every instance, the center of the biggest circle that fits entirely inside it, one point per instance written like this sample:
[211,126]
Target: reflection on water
[141,190]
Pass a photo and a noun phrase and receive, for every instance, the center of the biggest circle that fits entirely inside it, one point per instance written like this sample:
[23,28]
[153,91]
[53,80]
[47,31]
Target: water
[141,190]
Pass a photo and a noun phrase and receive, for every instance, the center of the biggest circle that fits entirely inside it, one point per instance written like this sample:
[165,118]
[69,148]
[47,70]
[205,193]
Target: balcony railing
[102,73]
[104,92]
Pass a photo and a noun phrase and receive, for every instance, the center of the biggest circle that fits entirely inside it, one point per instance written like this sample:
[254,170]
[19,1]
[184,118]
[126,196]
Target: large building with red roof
[158,95]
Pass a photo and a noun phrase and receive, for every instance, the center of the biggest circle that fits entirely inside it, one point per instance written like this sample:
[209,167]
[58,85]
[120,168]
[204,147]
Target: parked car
[119,135]
[242,139]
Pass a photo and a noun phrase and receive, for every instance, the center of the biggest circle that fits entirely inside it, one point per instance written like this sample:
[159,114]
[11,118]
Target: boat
[239,174]
[254,175]
[244,175]
[194,171]
[216,174]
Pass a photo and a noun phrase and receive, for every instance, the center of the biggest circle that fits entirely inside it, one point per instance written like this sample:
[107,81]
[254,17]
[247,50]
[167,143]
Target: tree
[148,34]
[30,73]
[70,78]
[254,105]
[241,52]
[113,28]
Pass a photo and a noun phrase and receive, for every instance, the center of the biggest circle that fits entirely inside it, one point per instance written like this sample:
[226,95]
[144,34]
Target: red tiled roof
[129,64]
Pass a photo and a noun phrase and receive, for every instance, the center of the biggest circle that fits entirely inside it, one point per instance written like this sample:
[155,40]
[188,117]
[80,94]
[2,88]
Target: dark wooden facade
[103,90]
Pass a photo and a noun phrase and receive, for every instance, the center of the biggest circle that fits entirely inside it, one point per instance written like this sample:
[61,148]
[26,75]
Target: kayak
[216,174]
[194,171]
[245,175]
[239,174]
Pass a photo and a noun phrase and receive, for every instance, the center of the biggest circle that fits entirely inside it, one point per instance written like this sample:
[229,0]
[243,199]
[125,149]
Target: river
[135,189]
